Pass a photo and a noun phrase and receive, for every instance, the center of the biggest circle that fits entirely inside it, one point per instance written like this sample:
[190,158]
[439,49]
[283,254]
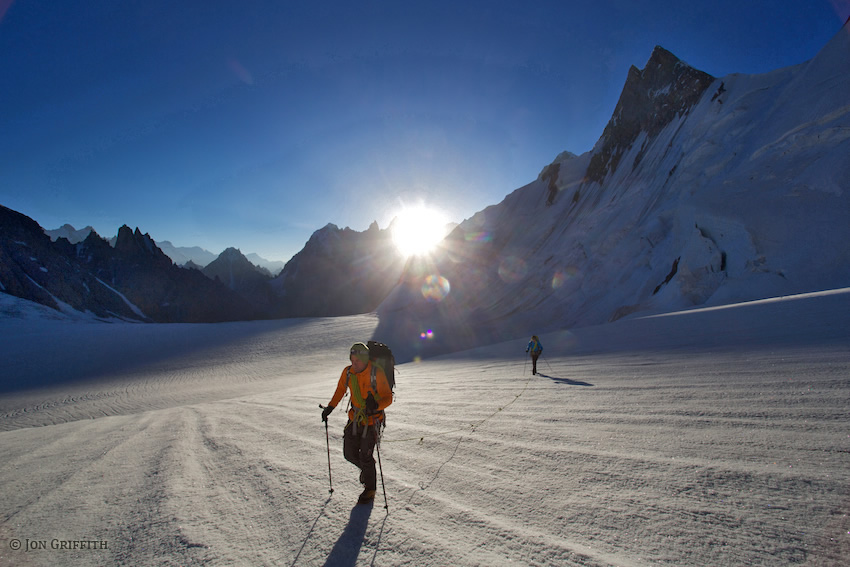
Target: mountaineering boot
[366,496]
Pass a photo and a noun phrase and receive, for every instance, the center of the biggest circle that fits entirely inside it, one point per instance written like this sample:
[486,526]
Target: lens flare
[435,288]
[558,279]
[512,269]
[478,237]
[426,335]
[561,276]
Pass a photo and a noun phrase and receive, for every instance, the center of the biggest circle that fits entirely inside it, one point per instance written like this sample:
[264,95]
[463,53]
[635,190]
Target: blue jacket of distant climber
[534,348]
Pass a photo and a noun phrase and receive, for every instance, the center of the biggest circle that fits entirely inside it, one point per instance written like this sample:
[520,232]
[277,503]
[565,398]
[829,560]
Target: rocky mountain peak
[339,271]
[651,99]
[134,244]
[232,254]
[232,261]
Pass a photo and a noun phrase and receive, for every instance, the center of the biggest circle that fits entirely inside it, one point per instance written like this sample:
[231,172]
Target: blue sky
[254,123]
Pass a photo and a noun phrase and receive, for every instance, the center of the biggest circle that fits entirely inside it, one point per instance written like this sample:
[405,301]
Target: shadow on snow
[347,547]
[565,380]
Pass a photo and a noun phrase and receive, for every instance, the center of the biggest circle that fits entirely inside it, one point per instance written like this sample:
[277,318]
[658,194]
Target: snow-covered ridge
[738,193]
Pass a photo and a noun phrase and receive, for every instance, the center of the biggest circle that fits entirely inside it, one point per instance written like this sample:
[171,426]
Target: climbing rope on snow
[469,428]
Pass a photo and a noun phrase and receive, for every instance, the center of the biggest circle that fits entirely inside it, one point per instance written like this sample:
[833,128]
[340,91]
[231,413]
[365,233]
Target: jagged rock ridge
[133,280]
[651,99]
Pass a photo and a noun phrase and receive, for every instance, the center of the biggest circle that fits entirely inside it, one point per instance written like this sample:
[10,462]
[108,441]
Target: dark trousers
[534,358]
[358,444]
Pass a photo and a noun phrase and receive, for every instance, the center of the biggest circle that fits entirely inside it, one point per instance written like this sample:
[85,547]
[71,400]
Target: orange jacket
[383,396]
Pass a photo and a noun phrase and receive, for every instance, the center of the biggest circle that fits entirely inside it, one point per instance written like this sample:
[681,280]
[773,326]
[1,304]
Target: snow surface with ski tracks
[707,437]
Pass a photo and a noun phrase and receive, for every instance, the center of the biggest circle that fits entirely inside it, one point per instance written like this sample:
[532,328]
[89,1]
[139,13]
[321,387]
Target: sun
[417,230]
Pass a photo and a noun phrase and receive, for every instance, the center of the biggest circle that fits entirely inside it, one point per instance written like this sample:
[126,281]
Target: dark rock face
[550,177]
[236,272]
[651,99]
[339,272]
[134,280]
[161,290]
[32,267]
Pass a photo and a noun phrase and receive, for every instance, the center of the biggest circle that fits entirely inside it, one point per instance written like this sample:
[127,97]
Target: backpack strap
[358,403]
[380,418]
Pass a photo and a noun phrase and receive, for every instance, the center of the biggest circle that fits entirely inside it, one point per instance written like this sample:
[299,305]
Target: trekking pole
[547,361]
[328,441]
[524,366]
[381,468]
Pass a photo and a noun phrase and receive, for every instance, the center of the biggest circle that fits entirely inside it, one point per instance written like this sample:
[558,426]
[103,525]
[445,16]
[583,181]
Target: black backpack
[382,357]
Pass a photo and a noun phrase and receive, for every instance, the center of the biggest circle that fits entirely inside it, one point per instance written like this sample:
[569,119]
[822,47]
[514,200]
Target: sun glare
[417,230]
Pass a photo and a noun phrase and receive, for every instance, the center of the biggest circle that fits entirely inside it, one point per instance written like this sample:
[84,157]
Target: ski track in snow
[702,452]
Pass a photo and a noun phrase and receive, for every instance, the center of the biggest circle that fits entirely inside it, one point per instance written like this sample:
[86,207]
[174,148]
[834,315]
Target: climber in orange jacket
[369,398]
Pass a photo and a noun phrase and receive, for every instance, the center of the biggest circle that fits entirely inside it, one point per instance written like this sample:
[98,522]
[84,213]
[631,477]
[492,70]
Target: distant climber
[535,348]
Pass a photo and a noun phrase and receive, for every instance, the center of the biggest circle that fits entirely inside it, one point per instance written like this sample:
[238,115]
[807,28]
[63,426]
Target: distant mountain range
[180,255]
[130,277]
[132,280]
[701,191]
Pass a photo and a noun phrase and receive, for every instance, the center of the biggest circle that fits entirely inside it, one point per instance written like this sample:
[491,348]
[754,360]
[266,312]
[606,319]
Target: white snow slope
[744,197]
[709,437]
